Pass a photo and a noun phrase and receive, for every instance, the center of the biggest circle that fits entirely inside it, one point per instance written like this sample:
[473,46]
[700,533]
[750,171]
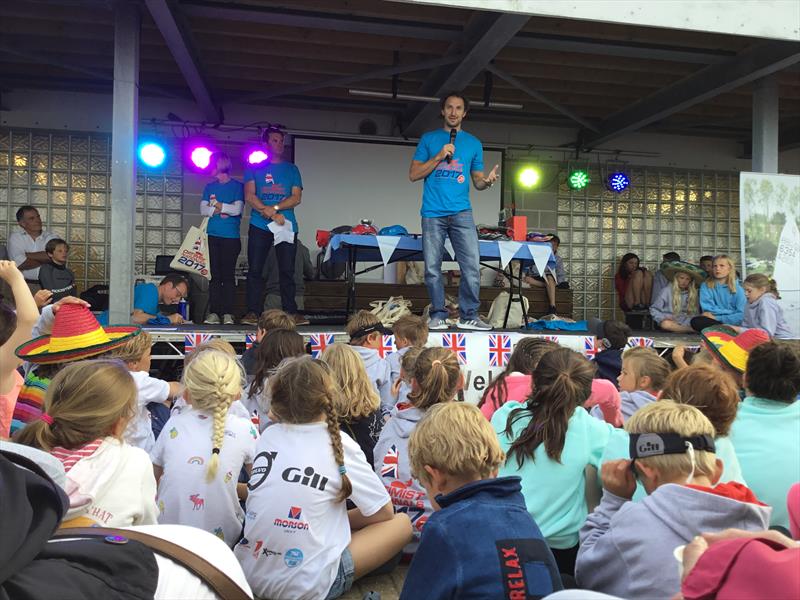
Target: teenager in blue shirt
[446,211]
[272,189]
[223,202]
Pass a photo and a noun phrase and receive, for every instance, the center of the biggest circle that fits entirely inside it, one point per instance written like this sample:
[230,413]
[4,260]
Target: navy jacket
[609,364]
[483,543]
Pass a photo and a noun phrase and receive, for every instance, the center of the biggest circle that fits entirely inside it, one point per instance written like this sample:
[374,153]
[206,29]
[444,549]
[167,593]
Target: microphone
[453,133]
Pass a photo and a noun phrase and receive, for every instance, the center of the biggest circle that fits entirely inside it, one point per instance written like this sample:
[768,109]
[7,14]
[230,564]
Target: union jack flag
[589,346]
[387,346]
[499,349]
[457,343]
[320,341]
[551,338]
[193,340]
[643,342]
[249,340]
[389,468]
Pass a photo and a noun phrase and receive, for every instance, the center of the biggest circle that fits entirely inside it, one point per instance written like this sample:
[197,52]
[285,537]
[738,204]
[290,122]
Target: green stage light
[578,179]
[529,177]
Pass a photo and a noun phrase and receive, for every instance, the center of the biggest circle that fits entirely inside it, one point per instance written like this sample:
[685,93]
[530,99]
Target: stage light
[618,182]
[201,157]
[578,179]
[152,154]
[529,177]
[256,157]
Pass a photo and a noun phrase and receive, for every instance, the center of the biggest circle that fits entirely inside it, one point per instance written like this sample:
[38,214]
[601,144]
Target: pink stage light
[256,157]
[201,157]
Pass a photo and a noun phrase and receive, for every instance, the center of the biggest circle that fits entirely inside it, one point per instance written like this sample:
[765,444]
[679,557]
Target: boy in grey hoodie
[366,337]
[626,547]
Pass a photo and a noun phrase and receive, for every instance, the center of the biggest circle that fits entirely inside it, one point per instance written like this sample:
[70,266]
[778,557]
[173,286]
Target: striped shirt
[30,402]
[69,457]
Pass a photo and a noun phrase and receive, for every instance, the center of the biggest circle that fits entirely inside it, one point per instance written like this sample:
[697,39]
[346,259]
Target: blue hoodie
[726,307]
[765,313]
[482,544]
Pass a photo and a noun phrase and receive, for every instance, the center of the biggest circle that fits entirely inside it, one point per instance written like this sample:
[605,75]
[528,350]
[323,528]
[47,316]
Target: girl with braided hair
[436,379]
[549,440]
[201,450]
[515,382]
[300,541]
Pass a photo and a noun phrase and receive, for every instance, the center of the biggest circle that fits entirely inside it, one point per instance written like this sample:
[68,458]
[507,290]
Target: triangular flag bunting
[387,244]
[540,253]
[448,246]
[507,252]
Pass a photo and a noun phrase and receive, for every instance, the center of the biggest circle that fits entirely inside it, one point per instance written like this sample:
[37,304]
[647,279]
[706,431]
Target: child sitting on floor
[55,275]
[301,541]
[135,353]
[270,319]
[480,532]
[766,431]
[612,339]
[401,388]
[677,302]
[643,375]
[626,547]
[198,459]
[437,379]
[366,336]
[109,482]
[410,331]
[762,310]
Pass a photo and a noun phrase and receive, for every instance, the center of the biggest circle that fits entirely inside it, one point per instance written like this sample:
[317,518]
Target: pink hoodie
[518,388]
[606,397]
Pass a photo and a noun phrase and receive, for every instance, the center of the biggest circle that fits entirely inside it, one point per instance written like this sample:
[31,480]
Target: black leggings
[565,559]
[701,322]
[221,289]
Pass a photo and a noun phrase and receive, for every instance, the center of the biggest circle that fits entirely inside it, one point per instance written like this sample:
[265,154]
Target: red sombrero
[76,334]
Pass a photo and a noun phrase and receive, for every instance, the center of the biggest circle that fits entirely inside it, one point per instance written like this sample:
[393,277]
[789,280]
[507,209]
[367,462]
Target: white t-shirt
[139,432]
[20,242]
[296,529]
[183,450]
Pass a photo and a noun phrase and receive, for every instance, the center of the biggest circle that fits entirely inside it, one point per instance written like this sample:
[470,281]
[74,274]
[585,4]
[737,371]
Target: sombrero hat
[673,267]
[76,334]
[730,347]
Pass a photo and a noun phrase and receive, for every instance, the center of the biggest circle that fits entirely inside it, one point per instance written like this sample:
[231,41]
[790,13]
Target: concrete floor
[388,586]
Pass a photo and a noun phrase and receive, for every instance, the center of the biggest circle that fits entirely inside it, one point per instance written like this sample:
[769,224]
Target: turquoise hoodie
[726,307]
[555,493]
[766,436]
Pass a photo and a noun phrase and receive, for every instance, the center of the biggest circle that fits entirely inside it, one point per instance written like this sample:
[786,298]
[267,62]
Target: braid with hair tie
[220,412]
[338,450]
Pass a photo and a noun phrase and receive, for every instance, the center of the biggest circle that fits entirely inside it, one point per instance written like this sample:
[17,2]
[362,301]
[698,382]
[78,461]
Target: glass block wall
[67,177]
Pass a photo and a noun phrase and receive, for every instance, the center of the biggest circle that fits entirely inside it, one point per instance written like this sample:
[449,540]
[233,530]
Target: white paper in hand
[282,233]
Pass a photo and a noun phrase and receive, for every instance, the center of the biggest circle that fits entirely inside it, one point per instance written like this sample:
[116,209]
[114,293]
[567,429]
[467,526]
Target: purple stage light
[201,157]
[256,157]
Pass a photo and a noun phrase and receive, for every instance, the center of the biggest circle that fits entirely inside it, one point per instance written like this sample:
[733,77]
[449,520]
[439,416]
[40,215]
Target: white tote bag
[193,254]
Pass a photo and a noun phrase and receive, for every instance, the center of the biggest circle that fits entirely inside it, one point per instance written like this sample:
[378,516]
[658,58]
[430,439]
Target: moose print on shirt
[198,502]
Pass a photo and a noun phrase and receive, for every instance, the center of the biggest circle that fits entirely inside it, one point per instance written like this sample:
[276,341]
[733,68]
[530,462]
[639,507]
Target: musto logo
[408,500]
[293,520]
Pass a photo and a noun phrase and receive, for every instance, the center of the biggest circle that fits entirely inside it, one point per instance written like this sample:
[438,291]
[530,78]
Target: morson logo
[293,521]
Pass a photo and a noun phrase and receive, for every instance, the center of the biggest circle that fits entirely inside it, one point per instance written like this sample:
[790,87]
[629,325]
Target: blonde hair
[217,344]
[214,380]
[302,388]
[357,397]
[437,373]
[411,328]
[221,162]
[134,349]
[762,282]
[685,420]
[645,362]
[361,319]
[455,438]
[275,318]
[80,405]
[730,280]
[692,302]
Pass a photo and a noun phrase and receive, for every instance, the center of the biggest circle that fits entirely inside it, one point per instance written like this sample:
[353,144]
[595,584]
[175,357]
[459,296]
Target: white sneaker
[212,319]
[437,324]
[475,324]
[228,319]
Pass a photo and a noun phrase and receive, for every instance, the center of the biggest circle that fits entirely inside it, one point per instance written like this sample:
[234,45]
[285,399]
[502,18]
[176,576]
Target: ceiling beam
[344,80]
[484,36]
[751,64]
[179,43]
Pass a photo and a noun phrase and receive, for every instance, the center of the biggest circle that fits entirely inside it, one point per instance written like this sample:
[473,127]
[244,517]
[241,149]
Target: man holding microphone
[446,159]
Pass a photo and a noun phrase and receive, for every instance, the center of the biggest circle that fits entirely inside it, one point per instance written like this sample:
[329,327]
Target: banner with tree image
[770,229]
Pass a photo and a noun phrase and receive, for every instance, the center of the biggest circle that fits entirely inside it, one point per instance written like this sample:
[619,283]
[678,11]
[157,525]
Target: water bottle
[183,309]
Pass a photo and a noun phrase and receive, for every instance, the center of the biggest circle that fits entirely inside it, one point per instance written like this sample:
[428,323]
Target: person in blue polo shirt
[272,189]
[223,202]
[447,159]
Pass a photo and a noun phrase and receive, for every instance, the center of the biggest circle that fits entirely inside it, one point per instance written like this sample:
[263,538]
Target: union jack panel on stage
[551,338]
[499,349]
[192,340]
[389,468]
[387,346]
[643,342]
[457,343]
[249,340]
[589,346]
[320,341]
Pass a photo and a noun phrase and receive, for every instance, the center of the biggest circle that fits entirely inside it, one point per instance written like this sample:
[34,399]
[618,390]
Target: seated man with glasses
[147,297]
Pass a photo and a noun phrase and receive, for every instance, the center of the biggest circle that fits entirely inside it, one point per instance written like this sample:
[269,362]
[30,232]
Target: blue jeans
[460,228]
[344,576]
[259,243]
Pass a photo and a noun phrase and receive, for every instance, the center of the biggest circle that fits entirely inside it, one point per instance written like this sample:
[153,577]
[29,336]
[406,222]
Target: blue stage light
[618,182]
[152,154]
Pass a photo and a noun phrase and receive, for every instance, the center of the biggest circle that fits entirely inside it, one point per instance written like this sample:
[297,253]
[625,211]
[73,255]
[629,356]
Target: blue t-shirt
[446,189]
[145,298]
[222,225]
[274,182]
